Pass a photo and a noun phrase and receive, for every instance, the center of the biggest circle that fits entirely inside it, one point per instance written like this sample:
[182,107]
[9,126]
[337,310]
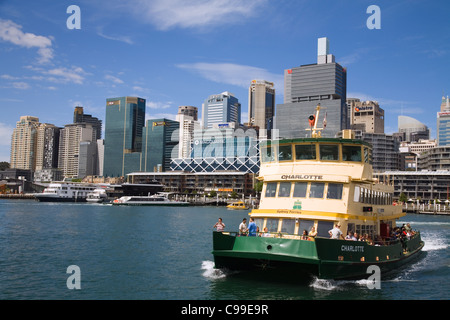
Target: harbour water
[164,253]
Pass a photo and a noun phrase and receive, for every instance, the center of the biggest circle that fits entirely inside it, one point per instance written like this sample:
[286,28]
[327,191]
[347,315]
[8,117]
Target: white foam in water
[432,244]
[323,284]
[210,272]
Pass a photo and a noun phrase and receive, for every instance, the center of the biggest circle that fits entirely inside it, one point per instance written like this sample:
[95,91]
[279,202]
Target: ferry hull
[172,204]
[322,258]
[58,199]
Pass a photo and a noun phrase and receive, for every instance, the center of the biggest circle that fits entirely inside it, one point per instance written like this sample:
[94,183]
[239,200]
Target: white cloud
[158,105]
[169,14]
[234,74]
[113,79]
[64,75]
[20,85]
[11,32]
[116,38]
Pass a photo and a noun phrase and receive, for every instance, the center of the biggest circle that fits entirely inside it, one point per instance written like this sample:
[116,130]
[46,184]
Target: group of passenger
[252,230]
[400,233]
[403,232]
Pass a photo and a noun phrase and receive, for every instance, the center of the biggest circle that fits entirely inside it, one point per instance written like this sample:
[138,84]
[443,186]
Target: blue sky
[178,52]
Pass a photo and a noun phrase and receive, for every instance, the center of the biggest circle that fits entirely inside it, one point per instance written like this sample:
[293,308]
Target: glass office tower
[124,123]
[221,108]
[443,123]
[161,139]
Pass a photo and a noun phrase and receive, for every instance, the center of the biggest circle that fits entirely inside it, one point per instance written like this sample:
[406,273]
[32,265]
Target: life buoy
[312,120]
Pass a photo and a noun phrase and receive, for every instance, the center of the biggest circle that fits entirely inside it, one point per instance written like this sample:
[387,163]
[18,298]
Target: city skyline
[174,53]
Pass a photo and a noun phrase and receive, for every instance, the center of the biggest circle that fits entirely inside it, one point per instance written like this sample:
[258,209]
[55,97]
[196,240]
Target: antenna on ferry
[315,132]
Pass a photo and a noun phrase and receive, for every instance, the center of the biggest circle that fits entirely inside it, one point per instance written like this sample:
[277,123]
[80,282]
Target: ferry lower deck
[324,258]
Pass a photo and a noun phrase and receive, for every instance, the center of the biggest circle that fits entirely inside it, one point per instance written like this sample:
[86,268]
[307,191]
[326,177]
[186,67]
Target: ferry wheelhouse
[310,186]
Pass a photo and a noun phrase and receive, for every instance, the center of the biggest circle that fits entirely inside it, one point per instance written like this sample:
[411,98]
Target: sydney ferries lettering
[301,177]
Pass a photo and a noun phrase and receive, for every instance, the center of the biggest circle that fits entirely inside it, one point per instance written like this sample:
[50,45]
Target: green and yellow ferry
[311,185]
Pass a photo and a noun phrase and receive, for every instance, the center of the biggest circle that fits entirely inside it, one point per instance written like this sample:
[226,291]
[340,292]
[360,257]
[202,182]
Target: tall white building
[72,152]
[188,124]
[24,143]
[261,104]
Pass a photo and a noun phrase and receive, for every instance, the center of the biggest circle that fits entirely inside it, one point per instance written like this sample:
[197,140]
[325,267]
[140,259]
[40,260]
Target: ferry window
[285,153]
[300,189]
[335,191]
[357,194]
[285,189]
[288,226]
[329,152]
[267,154]
[323,227]
[305,152]
[367,155]
[351,153]
[316,190]
[271,189]
[272,225]
[351,227]
[305,225]
[259,223]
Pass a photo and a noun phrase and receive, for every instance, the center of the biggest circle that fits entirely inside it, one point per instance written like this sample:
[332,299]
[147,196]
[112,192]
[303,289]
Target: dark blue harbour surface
[164,253]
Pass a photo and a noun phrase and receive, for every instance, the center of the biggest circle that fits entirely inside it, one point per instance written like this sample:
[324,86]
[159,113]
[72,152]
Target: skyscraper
[160,144]
[412,129]
[80,117]
[124,123]
[366,116]
[261,103]
[23,143]
[187,117]
[324,82]
[221,108]
[443,123]
[77,157]
[47,144]
[190,111]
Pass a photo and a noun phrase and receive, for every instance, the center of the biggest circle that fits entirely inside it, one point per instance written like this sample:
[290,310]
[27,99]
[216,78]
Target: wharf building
[221,148]
[198,183]
[437,158]
[221,108]
[419,185]
[306,86]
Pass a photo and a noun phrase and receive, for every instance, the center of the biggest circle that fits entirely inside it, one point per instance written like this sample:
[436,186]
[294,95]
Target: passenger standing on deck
[312,233]
[219,225]
[336,232]
[252,228]
[243,227]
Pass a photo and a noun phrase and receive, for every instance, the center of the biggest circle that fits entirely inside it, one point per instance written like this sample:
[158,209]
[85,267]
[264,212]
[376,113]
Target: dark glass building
[124,123]
[161,139]
[324,82]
